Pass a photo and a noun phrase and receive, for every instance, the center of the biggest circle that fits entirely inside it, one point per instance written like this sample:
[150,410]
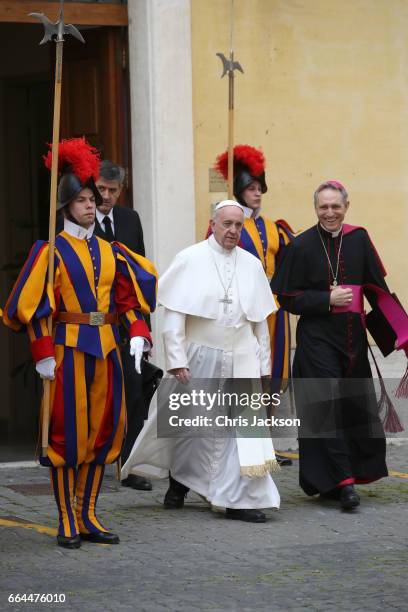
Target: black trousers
[136,405]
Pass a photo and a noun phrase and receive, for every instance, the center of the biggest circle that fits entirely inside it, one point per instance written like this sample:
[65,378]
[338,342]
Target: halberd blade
[57,29]
[50,29]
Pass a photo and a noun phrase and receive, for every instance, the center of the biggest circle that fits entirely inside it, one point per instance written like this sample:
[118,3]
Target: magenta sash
[398,320]
[393,312]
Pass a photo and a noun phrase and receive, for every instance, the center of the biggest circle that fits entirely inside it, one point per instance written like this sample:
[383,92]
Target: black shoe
[283,461]
[349,498]
[101,537]
[74,542]
[175,495]
[137,482]
[250,516]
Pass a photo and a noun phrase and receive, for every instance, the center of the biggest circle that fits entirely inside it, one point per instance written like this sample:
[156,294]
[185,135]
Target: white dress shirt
[100,216]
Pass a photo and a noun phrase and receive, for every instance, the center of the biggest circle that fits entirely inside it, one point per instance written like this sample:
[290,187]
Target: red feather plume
[245,158]
[77,156]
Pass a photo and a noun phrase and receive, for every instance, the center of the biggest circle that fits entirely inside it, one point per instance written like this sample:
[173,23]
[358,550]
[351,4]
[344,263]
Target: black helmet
[70,186]
[244,178]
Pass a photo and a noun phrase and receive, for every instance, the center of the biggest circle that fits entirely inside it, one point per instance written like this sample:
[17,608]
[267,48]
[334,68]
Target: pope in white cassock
[216,299]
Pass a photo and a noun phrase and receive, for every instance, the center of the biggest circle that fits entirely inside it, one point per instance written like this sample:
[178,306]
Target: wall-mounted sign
[216,182]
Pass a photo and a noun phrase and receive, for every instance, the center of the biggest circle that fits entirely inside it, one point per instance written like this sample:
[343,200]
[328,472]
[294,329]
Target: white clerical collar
[333,234]
[77,231]
[100,216]
[218,248]
[248,212]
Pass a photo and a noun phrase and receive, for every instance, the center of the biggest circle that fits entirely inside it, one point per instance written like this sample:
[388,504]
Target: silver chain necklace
[328,258]
[226,300]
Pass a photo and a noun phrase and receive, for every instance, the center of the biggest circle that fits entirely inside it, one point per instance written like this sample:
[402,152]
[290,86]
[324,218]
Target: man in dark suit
[116,222]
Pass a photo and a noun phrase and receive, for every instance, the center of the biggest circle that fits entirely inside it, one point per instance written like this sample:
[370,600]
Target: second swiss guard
[97,286]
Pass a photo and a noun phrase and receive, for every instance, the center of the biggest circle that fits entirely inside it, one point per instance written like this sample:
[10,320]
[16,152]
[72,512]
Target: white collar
[100,216]
[218,248]
[248,212]
[333,234]
[77,231]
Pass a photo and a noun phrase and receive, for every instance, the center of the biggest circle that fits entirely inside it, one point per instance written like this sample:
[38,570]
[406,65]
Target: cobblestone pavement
[308,556]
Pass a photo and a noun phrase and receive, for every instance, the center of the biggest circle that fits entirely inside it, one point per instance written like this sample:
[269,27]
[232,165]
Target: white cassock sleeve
[174,339]
[261,332]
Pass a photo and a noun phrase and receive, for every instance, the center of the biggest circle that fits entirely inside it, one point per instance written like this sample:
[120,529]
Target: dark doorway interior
[26,106]
[27,127]
[25,123]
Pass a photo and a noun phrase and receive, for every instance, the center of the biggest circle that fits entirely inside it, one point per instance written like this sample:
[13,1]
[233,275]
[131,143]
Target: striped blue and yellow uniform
[264,239]
[87,408]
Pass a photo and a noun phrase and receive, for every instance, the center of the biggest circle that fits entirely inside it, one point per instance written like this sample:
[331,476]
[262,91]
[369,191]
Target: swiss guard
[97,286]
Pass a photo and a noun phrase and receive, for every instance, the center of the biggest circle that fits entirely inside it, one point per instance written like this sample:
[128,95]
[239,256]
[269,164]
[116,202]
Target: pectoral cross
[226,300]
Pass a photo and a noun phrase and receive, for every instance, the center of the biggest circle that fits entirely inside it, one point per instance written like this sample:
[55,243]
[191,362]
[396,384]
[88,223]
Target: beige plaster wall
[325,95]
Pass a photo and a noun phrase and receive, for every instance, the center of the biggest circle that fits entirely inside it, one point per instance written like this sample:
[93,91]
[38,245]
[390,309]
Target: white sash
[256,455]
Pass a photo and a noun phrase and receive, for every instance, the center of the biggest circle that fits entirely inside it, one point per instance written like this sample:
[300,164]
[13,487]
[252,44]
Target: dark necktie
[108,229]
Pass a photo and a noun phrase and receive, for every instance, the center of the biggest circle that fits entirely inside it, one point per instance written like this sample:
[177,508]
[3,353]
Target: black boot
[137,482]
[249,516]
[175,495]
[69,542]
[101,537]
[349,498]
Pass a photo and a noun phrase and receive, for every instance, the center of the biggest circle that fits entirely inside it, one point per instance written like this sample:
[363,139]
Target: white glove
[137,344]
[46,368]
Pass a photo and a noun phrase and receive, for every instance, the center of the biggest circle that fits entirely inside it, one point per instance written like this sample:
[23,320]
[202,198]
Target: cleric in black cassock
[320,276]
